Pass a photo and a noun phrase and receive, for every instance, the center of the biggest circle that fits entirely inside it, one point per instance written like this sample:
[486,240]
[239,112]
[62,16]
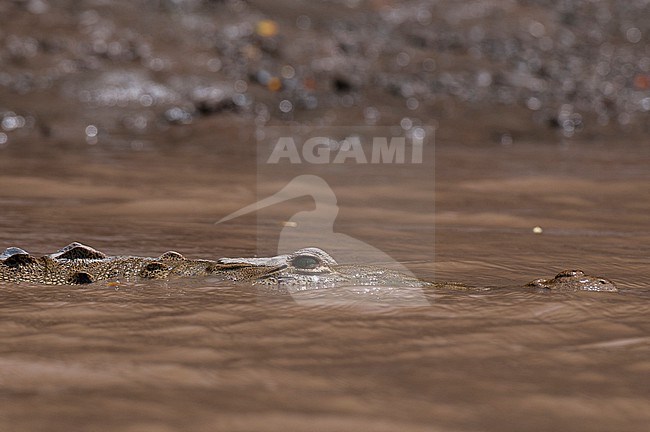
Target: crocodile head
[573,280]
[315,268]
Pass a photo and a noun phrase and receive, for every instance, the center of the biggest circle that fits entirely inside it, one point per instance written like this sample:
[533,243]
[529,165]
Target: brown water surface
[202,355]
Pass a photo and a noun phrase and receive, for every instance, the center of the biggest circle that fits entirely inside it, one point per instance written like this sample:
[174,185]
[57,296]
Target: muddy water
[202,355]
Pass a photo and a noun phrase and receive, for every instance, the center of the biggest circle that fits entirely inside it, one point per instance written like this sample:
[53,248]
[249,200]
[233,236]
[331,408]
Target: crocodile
[80,264]
[77,264]
[316,268]
[308,267]
[573,280]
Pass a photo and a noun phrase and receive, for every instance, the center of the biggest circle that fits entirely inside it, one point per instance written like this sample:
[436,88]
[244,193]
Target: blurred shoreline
[148,73]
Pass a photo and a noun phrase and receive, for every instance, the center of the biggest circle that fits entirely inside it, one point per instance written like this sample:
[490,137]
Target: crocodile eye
[305,262]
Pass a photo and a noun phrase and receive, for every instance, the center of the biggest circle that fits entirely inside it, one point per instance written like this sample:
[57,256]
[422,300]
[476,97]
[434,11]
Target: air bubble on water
[484,78]
[91,134]
[115,49]
[156,64]
[12,121]
[287,72]
[178,115]
[644,64]
[412,103]
[407,90]
[403,59]
[241,86]
[91,131]
[231,32]
[285,106]
[262,114]
[633,34]
[3,139]
[241,99]
[424,17]
[567,38]
[645,104]
[603,68]
[214,64]
[146,100]
[418,133]
[429,65]
[138,122]
[533,103]
[537,29]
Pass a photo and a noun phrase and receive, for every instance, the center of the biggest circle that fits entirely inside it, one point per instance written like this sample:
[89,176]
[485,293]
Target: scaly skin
[313,267]
[573,280]
[79,264]
[307,268]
